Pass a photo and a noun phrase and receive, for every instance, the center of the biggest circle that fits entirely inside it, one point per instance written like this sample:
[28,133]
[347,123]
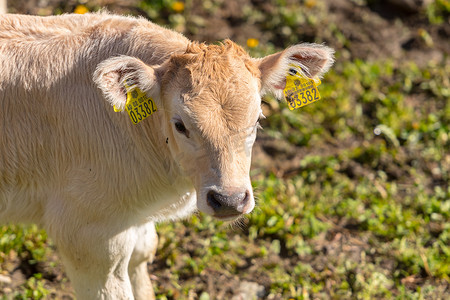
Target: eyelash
[179,126]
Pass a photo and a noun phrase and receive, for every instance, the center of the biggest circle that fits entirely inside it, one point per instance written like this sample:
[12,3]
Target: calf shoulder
[61,144]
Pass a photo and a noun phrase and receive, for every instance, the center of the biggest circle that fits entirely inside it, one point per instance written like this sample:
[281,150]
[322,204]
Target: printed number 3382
[142,111]
[309,96]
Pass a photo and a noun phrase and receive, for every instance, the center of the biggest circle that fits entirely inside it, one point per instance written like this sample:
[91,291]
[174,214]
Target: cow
[73,161]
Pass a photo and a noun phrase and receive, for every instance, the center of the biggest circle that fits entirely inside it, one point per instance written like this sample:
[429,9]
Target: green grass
[392,213]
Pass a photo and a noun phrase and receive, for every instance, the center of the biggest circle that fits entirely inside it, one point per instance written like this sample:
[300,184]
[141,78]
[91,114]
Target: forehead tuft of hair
[214,61]
[222,48]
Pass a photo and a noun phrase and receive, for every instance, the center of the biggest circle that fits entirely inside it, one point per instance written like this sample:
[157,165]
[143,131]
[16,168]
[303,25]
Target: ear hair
[112,74]
[313,60]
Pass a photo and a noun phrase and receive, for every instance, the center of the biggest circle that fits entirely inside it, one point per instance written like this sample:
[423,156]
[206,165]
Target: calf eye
[179,126]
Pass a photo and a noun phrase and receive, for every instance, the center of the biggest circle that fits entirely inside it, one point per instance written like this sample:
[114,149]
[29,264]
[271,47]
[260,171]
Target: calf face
[210,97]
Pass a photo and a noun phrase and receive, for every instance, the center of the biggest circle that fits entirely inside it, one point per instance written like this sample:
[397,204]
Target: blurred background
[353,191]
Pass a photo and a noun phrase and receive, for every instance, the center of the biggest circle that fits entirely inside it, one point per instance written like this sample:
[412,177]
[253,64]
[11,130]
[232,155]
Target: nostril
[242,200]
[246,197]
[213,200]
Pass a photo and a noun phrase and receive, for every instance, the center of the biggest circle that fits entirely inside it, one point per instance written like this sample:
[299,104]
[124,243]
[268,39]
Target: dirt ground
[372,32]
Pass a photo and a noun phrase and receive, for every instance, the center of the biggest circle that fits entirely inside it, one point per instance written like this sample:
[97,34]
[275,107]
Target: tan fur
[220,79]
[92,179]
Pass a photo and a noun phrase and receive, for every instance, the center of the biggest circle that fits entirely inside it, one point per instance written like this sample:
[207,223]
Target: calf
[73,161]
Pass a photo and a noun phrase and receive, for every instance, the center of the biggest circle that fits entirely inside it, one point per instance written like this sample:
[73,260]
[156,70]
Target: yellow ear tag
[300,90]
[138,105]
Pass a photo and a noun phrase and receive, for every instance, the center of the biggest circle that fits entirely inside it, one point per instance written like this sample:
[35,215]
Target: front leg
[143,253]
[96,258]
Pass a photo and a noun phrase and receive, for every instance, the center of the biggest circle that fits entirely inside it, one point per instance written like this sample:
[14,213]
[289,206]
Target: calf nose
[227,205]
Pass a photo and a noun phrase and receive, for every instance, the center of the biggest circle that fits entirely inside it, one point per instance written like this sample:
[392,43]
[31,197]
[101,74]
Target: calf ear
[112,74]
[313,59]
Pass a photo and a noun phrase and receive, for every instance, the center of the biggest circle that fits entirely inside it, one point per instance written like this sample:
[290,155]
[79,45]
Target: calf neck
[72,161]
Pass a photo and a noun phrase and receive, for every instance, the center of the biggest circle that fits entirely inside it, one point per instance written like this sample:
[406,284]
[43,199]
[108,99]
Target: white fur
[93,180]
[3,7]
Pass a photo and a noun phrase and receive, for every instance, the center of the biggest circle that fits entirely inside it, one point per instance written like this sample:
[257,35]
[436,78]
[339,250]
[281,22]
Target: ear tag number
[138,105]
[300,90]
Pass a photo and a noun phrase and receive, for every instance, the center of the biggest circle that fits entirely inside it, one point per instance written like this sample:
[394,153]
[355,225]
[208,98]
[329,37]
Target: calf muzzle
[228,206]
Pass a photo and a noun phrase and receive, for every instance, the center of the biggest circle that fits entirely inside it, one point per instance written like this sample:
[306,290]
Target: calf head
[211,100]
